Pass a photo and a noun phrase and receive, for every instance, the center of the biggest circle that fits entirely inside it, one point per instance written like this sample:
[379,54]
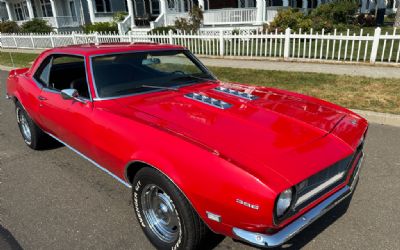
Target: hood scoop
[236,93]
[208,100]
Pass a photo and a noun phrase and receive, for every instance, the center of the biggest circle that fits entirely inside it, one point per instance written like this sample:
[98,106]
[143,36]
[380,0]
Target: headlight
[284,201]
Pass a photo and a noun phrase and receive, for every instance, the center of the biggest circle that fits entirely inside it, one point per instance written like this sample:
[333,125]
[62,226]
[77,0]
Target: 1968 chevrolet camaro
[203,157]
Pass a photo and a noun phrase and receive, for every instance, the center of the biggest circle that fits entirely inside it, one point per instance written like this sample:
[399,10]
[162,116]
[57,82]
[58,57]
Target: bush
[290,18]
[365,20]
[101,27]
[342,10]
[161,30]
[193,23]
[326,16]
[9,27]
[319,23]
[119,16]
[184,25]
[36,26]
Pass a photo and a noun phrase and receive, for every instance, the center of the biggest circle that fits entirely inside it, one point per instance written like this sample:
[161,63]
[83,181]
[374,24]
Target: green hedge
[36,26]
[9,27]
[101,27]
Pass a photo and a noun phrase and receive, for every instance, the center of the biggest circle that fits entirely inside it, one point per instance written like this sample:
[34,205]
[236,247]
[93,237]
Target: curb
[379,118]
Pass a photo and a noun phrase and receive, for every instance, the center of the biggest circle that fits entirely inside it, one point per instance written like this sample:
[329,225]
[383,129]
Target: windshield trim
[187,53]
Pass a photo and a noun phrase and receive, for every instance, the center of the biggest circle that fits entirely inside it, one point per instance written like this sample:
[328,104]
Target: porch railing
[125,25]
[230,16]
[159,22]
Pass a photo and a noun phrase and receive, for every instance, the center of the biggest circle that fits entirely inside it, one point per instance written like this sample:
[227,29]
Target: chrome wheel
[24,126]
[160,213]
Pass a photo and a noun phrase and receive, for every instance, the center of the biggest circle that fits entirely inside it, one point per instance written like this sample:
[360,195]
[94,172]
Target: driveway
[53,199]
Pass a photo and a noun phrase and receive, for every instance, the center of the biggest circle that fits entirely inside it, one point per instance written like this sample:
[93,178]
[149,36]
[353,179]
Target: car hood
[257,134]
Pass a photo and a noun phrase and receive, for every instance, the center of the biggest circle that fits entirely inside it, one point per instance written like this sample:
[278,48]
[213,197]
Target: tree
[397,20]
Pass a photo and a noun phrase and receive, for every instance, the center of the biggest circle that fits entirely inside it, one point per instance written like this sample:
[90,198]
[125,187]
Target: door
[68,120]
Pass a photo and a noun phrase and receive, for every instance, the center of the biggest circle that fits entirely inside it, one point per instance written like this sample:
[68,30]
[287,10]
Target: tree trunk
[397,20]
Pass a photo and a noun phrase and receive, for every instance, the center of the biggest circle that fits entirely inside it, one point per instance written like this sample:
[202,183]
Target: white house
[71,14]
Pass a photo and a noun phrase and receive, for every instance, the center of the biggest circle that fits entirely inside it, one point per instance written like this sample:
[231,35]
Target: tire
[168,208]
[33,136]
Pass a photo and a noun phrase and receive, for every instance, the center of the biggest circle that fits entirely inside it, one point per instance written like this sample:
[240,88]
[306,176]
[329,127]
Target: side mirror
[71,94]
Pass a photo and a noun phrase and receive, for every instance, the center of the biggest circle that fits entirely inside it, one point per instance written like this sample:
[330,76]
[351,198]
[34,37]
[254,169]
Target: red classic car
[203,157]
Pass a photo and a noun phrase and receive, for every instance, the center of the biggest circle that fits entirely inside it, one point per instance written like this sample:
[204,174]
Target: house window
[155,7]
[21,11]
[46,8]
[103,6]
[247,3]
[19,14]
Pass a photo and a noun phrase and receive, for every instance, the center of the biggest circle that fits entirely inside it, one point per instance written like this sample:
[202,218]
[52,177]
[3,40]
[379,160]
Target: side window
[42,75]
[65,72]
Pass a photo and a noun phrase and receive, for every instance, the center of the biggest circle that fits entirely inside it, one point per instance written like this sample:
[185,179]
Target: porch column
[285,3]
[305,5]
[131,13]
[91,11]
[9,11]
[163,10]
[201,5]
[30,9]
[182,3]
[54,10]
[319,2]
[260,14]
[364,6]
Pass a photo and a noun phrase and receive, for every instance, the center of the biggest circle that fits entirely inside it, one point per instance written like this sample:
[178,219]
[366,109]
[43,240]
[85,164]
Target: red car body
[231,162]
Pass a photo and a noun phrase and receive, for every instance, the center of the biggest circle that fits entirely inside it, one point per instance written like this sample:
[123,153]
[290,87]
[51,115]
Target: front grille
[321,183]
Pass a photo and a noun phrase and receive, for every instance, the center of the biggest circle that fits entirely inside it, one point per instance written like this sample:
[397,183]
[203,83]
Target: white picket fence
[288,45]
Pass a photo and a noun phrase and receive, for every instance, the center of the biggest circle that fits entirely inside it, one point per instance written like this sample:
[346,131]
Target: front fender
[215,188]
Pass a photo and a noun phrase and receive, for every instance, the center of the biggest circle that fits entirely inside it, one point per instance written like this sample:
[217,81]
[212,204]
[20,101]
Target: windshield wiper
[160,87]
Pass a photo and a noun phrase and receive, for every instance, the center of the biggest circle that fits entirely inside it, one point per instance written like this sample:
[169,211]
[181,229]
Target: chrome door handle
[42,98]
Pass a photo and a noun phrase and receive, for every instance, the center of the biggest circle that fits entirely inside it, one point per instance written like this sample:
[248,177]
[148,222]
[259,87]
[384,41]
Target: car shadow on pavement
[7,240]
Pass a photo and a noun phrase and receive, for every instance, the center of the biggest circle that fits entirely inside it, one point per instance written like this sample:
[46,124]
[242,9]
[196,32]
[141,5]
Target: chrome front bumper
[277,239]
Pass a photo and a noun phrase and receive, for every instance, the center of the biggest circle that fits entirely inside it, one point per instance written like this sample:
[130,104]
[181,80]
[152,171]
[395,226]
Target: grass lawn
[19,59]
[382,95]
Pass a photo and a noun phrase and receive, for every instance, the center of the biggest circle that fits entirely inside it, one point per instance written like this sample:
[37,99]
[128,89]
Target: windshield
[136,72]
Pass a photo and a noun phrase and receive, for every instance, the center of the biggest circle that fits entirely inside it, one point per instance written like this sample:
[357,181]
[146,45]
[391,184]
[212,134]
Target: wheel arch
[133,167]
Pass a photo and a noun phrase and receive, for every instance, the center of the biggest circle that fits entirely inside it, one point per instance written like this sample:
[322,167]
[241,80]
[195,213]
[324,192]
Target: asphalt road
[53,199]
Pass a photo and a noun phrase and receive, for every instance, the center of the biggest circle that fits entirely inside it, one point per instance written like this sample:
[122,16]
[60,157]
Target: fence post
[52,39]
[221,43]
[171,39]
[73,37]
[96,38]
[375,45]
[130,36]
[33,43]
[286,49]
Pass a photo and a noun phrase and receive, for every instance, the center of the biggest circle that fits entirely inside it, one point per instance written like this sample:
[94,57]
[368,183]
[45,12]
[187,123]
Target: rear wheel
[33,136]
[165,215]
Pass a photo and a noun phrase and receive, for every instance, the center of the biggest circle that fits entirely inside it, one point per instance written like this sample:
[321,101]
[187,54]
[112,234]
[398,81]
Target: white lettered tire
[166,217]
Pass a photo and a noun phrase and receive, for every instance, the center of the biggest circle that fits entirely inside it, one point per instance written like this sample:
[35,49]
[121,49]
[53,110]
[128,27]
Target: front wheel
[165,215]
